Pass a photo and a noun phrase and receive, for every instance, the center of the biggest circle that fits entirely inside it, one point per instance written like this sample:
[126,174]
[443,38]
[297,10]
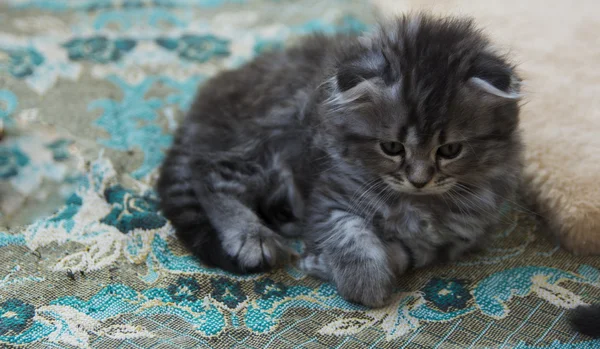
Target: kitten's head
[424,104]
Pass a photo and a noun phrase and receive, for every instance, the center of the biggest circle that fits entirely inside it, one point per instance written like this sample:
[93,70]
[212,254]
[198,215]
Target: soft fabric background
[90,92]
[557,48]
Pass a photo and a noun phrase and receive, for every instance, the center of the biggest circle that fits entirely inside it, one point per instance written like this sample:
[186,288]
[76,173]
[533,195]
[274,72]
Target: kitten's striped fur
[298,143]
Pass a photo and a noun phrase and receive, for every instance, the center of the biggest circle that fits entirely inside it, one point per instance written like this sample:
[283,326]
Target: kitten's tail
[586,320]
[181,206]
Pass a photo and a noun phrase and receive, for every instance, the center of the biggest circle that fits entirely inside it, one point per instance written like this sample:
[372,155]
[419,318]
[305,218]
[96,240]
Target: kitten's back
[228,183]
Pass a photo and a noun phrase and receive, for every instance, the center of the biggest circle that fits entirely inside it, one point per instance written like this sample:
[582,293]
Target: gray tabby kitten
[383,152]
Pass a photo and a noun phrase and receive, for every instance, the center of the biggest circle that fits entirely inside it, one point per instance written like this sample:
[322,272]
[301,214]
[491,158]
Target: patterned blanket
[90,92]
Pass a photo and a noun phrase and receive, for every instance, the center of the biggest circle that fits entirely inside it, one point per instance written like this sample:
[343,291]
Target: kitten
[383,152]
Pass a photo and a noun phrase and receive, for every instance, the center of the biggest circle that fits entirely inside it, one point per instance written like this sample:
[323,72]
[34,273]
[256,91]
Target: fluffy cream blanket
[557,47]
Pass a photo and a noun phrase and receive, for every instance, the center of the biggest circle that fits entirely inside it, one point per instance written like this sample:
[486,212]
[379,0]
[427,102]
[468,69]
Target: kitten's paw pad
[261,249]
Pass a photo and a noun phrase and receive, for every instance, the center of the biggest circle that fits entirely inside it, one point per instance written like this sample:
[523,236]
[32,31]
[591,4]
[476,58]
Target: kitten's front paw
[258,248]
[367,286]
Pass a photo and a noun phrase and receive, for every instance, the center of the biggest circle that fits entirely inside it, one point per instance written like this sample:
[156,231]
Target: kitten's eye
[450,151]
[392,148]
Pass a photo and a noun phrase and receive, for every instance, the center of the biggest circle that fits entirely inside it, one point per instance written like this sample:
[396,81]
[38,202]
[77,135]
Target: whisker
[525,210]
[477,204]
[367,207]
[382,197]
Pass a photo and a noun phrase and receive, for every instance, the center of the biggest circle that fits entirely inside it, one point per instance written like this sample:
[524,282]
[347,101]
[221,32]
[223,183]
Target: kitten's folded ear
[494,76]
[372,65]
[348,76]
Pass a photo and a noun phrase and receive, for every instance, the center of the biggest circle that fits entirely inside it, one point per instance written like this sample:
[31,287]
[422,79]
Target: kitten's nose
[419,174]
[418,185]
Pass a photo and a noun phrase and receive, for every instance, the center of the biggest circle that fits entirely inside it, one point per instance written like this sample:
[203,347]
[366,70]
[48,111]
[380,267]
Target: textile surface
[90,93]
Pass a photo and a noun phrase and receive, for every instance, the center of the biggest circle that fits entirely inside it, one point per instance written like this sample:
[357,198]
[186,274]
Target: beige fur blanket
[557,47]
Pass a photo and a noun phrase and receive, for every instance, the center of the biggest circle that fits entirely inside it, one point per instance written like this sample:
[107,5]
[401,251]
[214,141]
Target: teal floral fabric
[90,94]
[199,48]
[98,49]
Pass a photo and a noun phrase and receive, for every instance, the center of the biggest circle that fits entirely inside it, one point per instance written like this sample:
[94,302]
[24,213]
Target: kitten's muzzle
[419,174]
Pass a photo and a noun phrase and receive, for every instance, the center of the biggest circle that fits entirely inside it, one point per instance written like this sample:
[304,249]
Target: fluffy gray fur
[383,152]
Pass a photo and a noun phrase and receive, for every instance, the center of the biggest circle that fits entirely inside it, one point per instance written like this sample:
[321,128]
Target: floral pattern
[268,288]
[8,104]
[184,289]
[197,48]
[131,211]
[227,292]
[447,294]
[98,49]
[93,91]
[131,123]
[24,62]
[15,316]
[11,161]
[59,149]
